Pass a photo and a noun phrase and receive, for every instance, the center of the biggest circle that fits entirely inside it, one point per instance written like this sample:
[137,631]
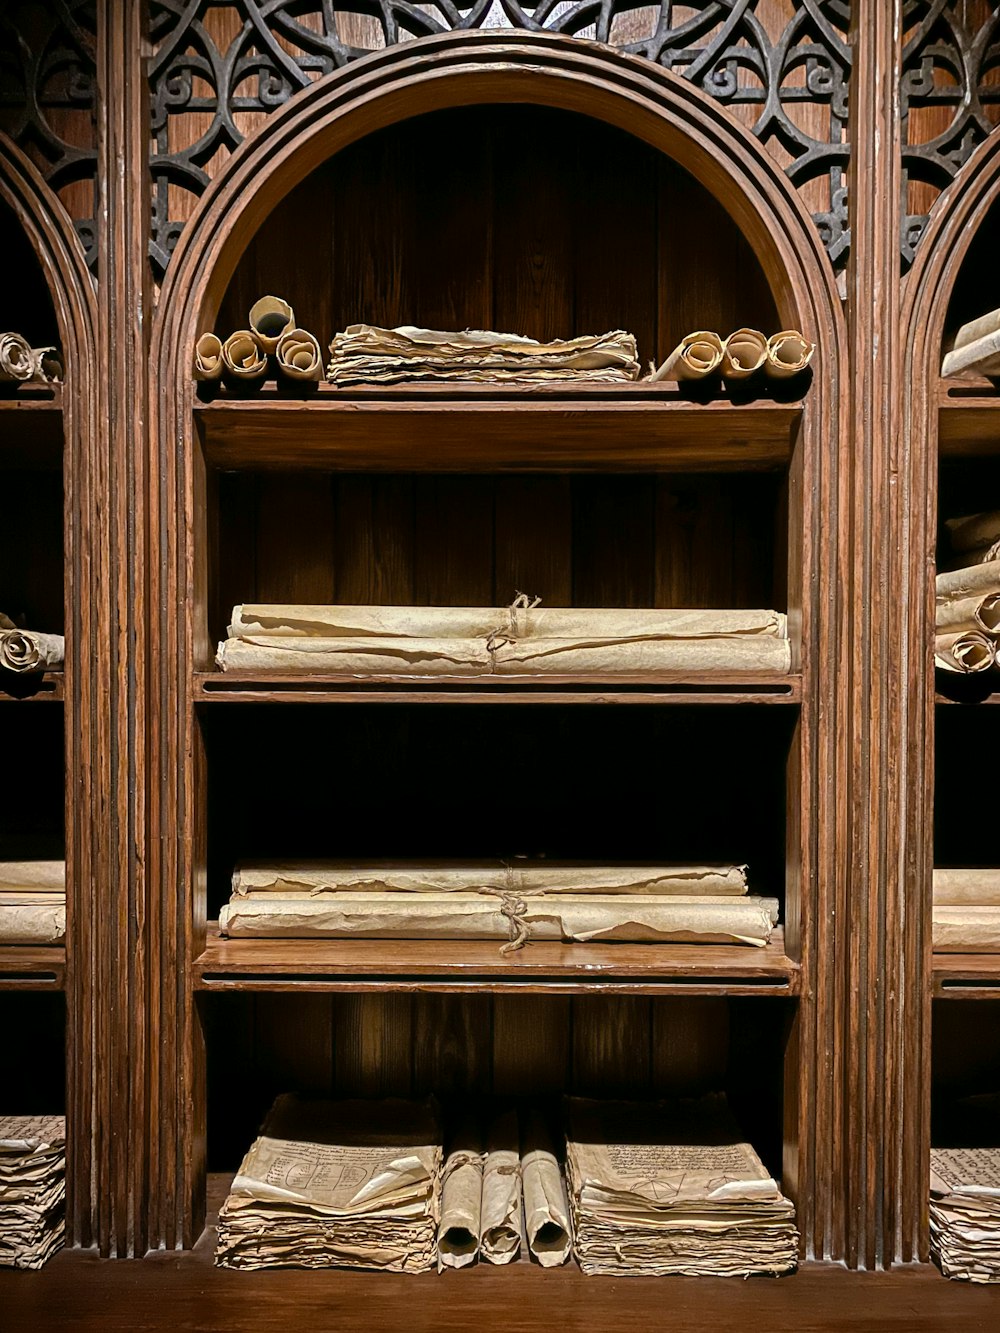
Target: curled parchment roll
[298,355]
[243,357]
[980,579]
[15,358]
[788,353]
[501,1221]
[744,352]
[270,317]
[29,920]
[23,650]
[461,1199]
[546,1210]
[695,357]
[967,888]
[969,613]
[208,357]
[966,652]
[46,365]
[966,929]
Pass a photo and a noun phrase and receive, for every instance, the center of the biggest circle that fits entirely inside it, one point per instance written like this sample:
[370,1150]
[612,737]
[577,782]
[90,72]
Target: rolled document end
[243,357]
[967,614]
[208,359]
[270,317]
[47,365]
[298,355]
[546,1209]
[461,1205]
[788,354]
[744,352]
[695,357]
[982,579]
[16,362]
[966,652]
[24,651]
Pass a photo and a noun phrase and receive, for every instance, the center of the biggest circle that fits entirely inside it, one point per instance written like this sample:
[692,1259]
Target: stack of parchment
[364,354]
[26,651]
[514,901]
[32,1188]
[966,911]
[976,350]
[669,1188]
[32,902]
[353,1184]
[967,613]
[965,1212]
[522,639]
[20,363]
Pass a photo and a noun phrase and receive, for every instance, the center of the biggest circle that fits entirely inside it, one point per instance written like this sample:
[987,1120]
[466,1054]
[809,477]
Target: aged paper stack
[516,902]
[670,1189]
[965,1212]
[32,1188]
[976,350]
[518,640]
[364,354]
[966,911]
[353,1184]
[32,902]
[967,612]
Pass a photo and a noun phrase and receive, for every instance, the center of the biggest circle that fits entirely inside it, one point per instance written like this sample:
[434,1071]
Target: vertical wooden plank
[534,536]
[613,541]
[690,1045]
[372,1045]
[452,1044]
[295,538]
[611,1046]
[531,1045]
[374,540]
[454,541]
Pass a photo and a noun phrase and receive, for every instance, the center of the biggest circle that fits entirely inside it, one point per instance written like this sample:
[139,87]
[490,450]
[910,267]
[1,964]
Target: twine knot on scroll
[510,632]
[514,907]
[460,1158]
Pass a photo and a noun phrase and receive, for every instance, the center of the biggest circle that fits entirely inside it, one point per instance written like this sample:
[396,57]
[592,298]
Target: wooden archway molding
[429,74]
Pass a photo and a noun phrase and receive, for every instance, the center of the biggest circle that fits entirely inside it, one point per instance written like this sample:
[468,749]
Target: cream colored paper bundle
[978,355]
[501,1234]
[302,879]
[461,1201]
[356,657]
[641,656]
[32,1189]
[965,928]
[270,318]
[28,876]
[974,613]
[298,355]
[788,354]
[546,1209]
[243,358]
[16,362]
[461,916]
[27,651]
[967,652]
[970,888]
[668,1188]
[365,354]
[208,359]
[744,352]
[965,1212]
[353,1184]
[695,357]
[974,580]
[32,918]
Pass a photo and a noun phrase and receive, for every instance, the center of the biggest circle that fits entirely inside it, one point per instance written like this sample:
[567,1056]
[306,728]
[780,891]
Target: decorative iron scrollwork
[950,100]
[48,99]
[218,67]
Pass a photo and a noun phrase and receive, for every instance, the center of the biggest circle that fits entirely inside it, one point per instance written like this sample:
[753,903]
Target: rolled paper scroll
[501,1223]
[973,579]
[546,1210]
[967,888]
[33,876]
[695,357]
[25,651]
[969,613]
[270,317]
[208,360]
[461,1200]
[980,357]
[357,657]
[967,652]
[16,361]
[788,353]
[964,929]
[243,357]
[744,352]
[978,328]
[298,356]
[32,919]
[46,365]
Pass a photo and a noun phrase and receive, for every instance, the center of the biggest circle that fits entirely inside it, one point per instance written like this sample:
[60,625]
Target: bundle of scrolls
[32,902]
[522,639]
[967,610]
[966,911]
[976,349]
[513,902]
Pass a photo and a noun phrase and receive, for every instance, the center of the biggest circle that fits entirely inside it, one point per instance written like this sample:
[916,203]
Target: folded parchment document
[32,1189]
[965,1212]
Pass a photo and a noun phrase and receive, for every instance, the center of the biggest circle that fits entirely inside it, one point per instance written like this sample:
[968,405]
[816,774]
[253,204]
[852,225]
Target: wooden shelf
[969,419]
[966,976]
[243,687]
[32,967]
[31,430]
[435,428]
[18,688]
[477,966]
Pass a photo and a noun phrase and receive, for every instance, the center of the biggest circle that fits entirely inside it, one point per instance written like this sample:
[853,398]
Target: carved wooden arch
[957,217]
[61,258]
[405,80]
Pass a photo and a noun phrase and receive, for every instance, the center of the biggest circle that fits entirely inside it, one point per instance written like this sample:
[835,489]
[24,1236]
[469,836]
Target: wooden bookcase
[539,183]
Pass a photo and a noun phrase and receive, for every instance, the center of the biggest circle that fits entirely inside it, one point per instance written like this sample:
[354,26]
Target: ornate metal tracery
[781,66]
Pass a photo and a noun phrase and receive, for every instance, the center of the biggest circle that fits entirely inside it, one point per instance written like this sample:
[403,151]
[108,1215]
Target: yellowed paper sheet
[695,357]
[502,1213]
[972,888]
[973,580]
[270,317]
[966,929]
[243,358]
[744,353]
[967,652]
[29,876]
[546,1210]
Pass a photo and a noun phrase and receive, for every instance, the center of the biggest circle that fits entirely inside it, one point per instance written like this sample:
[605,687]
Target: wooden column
[883,1112]
[112,652]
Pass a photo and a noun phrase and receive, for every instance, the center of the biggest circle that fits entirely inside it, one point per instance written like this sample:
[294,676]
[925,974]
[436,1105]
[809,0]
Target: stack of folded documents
[364,354]
[32,902]
[32,1189]
[967,603]
[354,1184]
[668,1188]
[965,1212]
[516,902]
[517,640]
